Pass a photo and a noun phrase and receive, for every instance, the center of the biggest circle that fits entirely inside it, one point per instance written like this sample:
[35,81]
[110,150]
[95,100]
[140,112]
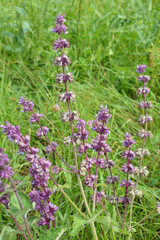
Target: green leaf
[21,11]
[32,220]
[124,232]
[25,27]
[9,234]
[77,225]
[54,234]
[14,205]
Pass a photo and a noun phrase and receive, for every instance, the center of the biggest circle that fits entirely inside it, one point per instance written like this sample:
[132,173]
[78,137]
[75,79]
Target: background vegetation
[108,39]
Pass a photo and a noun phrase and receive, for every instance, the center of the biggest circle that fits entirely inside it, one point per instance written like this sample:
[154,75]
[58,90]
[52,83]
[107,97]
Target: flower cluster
[39,169]
[100,146]
[5,168]
[46,209]
[143,119]
[4,199]
[127,167]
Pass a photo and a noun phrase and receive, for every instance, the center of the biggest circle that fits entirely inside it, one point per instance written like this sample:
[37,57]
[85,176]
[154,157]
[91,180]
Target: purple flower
[143,90]
[99,127]
[83,148]
[66,117]
[5,169]
[128,168]
[99,195]
[59,29]
[99,143]
[142,119]
[63,97]
[128,154]
[124,200]
[141,68]
[60,18]
[81,124]
[13,132]
[4,199]
[42,131]
[158,208]
[142,134]
[51,147]
[144,104]
[60,78]
[35,117]
[27,105]
[89,181]
[105,164]
[103,114]
[143,78]
[111,179]
[128,141]
[127,183]
[58,61]
[60,44]
[112,199]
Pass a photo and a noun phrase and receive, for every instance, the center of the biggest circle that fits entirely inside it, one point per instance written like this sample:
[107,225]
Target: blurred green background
[108,39]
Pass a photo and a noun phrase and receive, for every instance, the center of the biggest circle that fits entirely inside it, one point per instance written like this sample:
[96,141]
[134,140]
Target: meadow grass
[108,39]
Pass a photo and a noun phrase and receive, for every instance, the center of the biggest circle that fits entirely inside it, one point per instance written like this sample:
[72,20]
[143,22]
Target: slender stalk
[95,185]
[21,207]
[114,191]
[18,226]
[79,16]
[140,164]
[125,208]
[74,152]
[103,206]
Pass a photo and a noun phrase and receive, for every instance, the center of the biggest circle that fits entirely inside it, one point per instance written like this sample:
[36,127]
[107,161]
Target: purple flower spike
[13,132]
[103,114]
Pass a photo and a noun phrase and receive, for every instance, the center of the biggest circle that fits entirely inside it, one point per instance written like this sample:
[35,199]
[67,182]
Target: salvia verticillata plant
[91,156]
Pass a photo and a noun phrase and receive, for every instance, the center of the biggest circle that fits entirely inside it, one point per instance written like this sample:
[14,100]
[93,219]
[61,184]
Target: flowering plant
[96,158]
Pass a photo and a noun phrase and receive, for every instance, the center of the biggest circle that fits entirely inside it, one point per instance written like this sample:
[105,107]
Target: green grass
[108,39]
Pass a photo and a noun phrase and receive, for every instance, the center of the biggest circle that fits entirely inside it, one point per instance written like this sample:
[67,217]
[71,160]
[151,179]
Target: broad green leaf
[9,234]
[14,205]
[21,11]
